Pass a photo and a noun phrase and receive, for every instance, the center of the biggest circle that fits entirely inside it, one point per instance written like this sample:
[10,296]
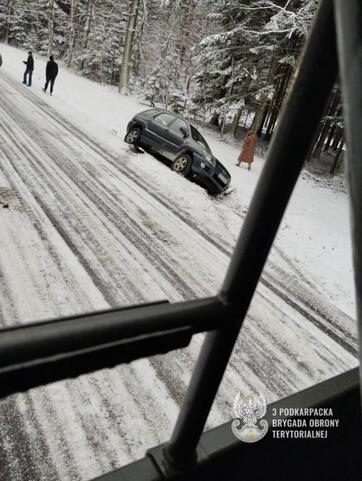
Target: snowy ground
[92,225]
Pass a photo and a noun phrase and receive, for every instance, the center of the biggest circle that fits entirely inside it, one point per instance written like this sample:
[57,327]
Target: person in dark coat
[1,60]
[28,74]
[51,73]
[247,153]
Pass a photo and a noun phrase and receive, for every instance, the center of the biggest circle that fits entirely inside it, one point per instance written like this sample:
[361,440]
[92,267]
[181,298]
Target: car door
[178,131]
[157,130]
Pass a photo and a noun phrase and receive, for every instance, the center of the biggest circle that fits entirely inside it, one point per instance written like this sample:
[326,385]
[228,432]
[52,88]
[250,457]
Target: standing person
[248,150]
[28,74]
[51,73]
[1,60]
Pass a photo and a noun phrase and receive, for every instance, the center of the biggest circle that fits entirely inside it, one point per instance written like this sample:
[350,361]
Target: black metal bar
[349,40]
[23,376]
[289,148]
[222,453]
[142,470]
[33,342]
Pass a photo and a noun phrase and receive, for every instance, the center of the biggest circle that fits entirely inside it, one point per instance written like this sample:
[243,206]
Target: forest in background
[227,63]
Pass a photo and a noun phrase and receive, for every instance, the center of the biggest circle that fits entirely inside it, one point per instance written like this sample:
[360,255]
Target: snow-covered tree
[170,33]
[252,46]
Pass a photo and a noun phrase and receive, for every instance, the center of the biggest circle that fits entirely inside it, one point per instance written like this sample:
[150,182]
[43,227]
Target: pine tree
[247,62]
[171,32]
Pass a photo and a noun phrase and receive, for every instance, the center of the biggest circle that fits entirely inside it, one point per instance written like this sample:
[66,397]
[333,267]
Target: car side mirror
[184,132]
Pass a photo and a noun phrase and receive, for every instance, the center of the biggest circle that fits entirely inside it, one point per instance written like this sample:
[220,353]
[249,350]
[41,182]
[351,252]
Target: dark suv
[174,138]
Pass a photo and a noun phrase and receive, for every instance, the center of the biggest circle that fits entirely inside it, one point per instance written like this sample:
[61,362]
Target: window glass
[199,138]
[164,119]
[178,126]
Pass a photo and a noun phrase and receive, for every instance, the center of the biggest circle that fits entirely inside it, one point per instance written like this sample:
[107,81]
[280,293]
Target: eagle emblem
[247,411]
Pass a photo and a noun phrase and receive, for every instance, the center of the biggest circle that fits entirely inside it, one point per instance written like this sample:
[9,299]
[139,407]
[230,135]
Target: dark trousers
[51,80]
[28,74]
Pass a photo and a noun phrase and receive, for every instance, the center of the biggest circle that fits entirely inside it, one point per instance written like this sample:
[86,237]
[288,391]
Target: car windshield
[199,138]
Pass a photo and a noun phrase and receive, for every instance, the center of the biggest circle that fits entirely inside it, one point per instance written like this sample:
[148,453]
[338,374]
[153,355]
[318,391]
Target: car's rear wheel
[133,136]
[182,164]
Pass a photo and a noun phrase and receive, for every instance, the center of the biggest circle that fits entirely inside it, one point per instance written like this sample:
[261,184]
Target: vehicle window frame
[203,140]
[173,118]
[178,132]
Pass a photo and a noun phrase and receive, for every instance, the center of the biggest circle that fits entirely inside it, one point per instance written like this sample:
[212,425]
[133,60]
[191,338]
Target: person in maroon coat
[248,150]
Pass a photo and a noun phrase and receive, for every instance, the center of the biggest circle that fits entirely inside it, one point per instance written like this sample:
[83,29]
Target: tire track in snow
[52,416]
[23,461]
[106,207]
[133,231]
[88,431]
[152,361]
[326,318]
[285,297]
[255,350]
[270,287]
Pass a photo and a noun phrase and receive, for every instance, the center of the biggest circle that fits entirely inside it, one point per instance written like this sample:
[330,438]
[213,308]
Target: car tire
[182,164]
[133,136]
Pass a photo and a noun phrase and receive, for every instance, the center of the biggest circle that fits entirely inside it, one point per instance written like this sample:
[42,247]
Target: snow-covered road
[86,229]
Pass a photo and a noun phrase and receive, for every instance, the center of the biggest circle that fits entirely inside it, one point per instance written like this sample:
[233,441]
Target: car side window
[164,119]
[199,138]
[179,127]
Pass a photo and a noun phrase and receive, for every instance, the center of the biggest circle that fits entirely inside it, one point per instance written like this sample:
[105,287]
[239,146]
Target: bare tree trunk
[333,131]
[246,118]
[280,94]
[236,119]
[235,122]
[137,54]
[87,27]
[328,142]
[260,116]
[73,12]
[326,125]
[315,138]
[318,147]
[262,110]
[336,157]
[222,128]
[262,121]
[50,26]
[127,53]
[185,29]
[283,73]
[8,20]
[337,137]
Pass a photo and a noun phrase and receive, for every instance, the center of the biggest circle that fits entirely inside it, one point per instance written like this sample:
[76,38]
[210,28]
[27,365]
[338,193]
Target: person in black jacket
[28,74]
[51,72]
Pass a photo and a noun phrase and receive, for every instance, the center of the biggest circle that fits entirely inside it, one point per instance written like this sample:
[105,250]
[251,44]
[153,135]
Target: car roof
[165,111]
[159,110]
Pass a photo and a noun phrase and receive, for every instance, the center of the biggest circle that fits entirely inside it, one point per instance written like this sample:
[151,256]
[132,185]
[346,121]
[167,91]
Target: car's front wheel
[133,136]
[182,164]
